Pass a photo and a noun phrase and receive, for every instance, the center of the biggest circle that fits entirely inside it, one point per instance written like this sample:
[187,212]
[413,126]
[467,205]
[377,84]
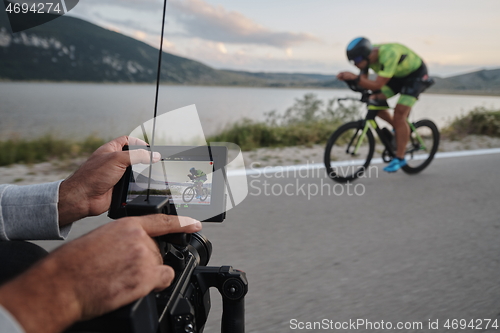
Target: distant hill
[293,79]
[70,49]
[483,81]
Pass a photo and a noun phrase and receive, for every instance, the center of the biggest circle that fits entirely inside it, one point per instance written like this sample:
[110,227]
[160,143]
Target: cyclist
[399,70]
[198,177]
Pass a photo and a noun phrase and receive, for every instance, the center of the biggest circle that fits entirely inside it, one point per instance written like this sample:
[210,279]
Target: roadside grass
[309,121]
[479,121]
[17,150]
[250,135]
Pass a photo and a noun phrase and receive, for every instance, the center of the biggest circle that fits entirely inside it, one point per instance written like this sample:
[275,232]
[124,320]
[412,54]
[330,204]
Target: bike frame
[370,123]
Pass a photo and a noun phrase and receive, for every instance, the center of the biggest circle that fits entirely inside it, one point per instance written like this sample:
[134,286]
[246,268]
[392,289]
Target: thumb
[164,277]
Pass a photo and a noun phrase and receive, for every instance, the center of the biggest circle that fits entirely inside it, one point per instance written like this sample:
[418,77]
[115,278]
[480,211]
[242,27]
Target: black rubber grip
[233,316]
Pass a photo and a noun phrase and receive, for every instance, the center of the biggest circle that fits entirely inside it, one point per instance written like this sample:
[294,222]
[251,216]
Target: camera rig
[185,305]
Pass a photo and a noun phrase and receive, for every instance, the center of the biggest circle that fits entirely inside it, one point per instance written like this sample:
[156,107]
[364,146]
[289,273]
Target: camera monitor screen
[190,179]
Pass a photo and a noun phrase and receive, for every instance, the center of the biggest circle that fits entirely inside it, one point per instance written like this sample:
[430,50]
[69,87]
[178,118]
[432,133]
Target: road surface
[417,249]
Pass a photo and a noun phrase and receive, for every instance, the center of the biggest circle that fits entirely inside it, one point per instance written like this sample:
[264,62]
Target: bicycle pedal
[386,157]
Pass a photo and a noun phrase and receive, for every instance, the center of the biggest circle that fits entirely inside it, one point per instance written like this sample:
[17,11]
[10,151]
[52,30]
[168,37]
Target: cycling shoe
[395,165]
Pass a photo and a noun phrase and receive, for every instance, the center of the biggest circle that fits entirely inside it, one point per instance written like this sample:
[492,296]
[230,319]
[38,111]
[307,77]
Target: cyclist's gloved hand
[347,76]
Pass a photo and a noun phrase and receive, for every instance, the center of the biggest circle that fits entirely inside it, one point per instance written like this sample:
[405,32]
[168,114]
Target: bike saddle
[378,103]
[425,83]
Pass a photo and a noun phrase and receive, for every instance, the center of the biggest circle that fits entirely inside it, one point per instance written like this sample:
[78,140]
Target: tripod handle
[233,286]
[233,316]
[233,291]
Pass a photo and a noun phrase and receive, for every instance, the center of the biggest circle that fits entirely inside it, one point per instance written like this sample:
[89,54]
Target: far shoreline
[431,92]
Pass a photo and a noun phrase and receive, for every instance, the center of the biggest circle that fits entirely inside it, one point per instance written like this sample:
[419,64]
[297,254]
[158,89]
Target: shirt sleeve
[8,324]
[30,212]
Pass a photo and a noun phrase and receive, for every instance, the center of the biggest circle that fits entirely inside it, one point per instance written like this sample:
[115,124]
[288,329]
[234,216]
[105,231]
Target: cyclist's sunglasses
[357,60]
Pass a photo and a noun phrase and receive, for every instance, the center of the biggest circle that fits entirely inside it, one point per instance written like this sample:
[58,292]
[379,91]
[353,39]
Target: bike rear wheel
[420,154]
[204,194]
[341,164]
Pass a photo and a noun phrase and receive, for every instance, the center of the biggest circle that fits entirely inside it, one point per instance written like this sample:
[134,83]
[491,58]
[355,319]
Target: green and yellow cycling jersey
[395,60]
[200,176]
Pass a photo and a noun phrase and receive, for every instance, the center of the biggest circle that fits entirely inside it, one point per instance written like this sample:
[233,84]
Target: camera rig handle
[233,286]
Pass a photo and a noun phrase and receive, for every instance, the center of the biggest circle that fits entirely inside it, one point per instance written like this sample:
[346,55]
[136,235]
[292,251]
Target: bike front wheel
[188,194]
[422,146]
[343,162]
[204,194]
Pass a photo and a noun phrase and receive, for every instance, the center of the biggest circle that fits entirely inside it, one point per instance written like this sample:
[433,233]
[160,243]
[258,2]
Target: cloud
[145,5]
[126,23]
[222,48]
[250,59]
[202,20]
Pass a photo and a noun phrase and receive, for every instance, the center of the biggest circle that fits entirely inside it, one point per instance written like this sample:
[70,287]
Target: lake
[75,110]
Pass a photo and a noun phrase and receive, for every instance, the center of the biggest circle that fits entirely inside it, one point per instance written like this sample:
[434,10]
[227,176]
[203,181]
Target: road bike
[190,192]
[351,147]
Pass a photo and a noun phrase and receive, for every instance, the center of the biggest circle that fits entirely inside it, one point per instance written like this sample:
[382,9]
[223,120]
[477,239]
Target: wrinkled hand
[346,76]
[97,273]
[88,191]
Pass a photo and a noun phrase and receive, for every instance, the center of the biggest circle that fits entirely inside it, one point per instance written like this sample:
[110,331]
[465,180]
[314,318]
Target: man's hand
[88,191]
[346,76]
[97,273]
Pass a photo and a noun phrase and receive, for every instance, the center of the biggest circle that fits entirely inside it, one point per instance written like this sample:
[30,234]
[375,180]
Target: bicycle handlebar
[365,93]
[348,99]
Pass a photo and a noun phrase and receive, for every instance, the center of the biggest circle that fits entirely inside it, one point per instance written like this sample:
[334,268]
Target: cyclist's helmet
[191,170]
[359,49]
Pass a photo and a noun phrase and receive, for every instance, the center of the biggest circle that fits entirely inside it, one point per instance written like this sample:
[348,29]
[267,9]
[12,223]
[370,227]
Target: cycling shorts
[409,86]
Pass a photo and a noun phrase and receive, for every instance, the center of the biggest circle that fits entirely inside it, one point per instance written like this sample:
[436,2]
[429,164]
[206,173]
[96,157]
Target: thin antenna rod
[152,143]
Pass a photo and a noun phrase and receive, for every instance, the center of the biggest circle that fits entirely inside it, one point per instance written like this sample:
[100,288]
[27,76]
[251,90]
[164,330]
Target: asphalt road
[405,249]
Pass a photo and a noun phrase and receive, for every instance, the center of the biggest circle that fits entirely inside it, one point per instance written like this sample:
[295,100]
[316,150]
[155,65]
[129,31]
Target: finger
[128,140]
[132,141]
[164,277]
[143,156]
[118,144]
[136,156]
[161,224]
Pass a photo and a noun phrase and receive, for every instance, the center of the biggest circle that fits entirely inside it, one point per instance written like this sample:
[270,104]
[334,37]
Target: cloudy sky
[453,36]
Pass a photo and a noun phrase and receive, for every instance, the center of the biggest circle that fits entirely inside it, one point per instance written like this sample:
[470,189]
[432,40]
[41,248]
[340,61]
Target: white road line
[313,166]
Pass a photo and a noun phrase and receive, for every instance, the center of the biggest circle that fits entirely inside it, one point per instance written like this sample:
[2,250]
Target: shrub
[479,121]
[17,150]
[307,122]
